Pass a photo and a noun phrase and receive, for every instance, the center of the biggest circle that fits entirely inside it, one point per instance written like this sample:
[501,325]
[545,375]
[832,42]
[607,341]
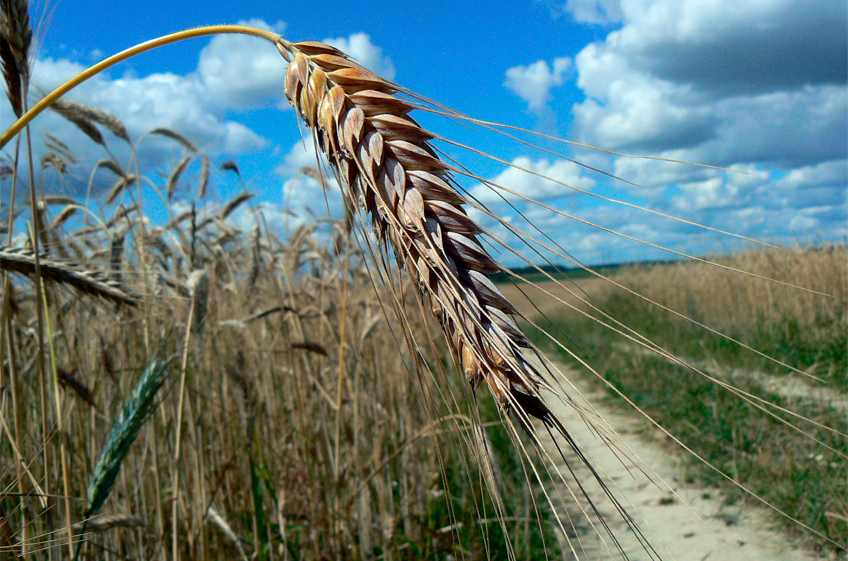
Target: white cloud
[599,12]
[719,82]
[533,83]
[534,186]
[242,72]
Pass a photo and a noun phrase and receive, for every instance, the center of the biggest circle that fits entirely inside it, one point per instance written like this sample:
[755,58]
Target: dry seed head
[119,187]
[198,282]
[174,177]
[203,182]
[230,166]
[173,135]
[12,77]
[255,259]
[15,44]
[79,113]
[248,400]
[90,282]
[69,381]
[69,109]
[313,173]
[116,256]
[71,112]
[55,161]
[110,165]
[63,216]
[55,200]
[108,521]
[234,204]
[384,162]
[121,212]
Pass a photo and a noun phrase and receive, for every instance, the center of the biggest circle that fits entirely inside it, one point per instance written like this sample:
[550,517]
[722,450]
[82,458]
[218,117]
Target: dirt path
[689,523]
[682,522]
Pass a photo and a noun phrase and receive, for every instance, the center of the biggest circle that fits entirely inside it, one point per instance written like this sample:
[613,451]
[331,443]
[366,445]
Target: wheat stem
[59,420]
[183,365]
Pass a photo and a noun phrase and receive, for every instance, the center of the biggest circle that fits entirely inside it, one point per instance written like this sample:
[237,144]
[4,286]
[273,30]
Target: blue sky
[758,86]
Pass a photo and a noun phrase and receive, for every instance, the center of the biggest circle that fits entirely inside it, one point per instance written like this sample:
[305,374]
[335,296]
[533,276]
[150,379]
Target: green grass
[786,341]
[534,275]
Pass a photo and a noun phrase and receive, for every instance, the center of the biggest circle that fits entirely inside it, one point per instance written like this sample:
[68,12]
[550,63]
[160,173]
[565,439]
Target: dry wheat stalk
[384,161]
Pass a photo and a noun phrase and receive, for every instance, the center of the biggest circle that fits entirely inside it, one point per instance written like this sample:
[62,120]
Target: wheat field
[361,388]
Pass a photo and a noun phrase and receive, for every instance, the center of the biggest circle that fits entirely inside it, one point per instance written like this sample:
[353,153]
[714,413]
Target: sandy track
[688,523]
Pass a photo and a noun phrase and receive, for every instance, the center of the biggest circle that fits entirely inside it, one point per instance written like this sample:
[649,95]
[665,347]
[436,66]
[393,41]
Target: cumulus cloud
[533,83]
[773,205]
[714,82]
[728,46]
[163,100]
[760,89]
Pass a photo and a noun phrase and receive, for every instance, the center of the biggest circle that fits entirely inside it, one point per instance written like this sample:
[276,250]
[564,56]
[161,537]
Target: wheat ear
[135,412]
[383,159]
[384,162]
[125,429]
[22,261]
[108,521]
[15,43]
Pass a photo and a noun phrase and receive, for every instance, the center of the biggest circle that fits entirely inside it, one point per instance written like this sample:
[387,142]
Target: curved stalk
[50,98]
